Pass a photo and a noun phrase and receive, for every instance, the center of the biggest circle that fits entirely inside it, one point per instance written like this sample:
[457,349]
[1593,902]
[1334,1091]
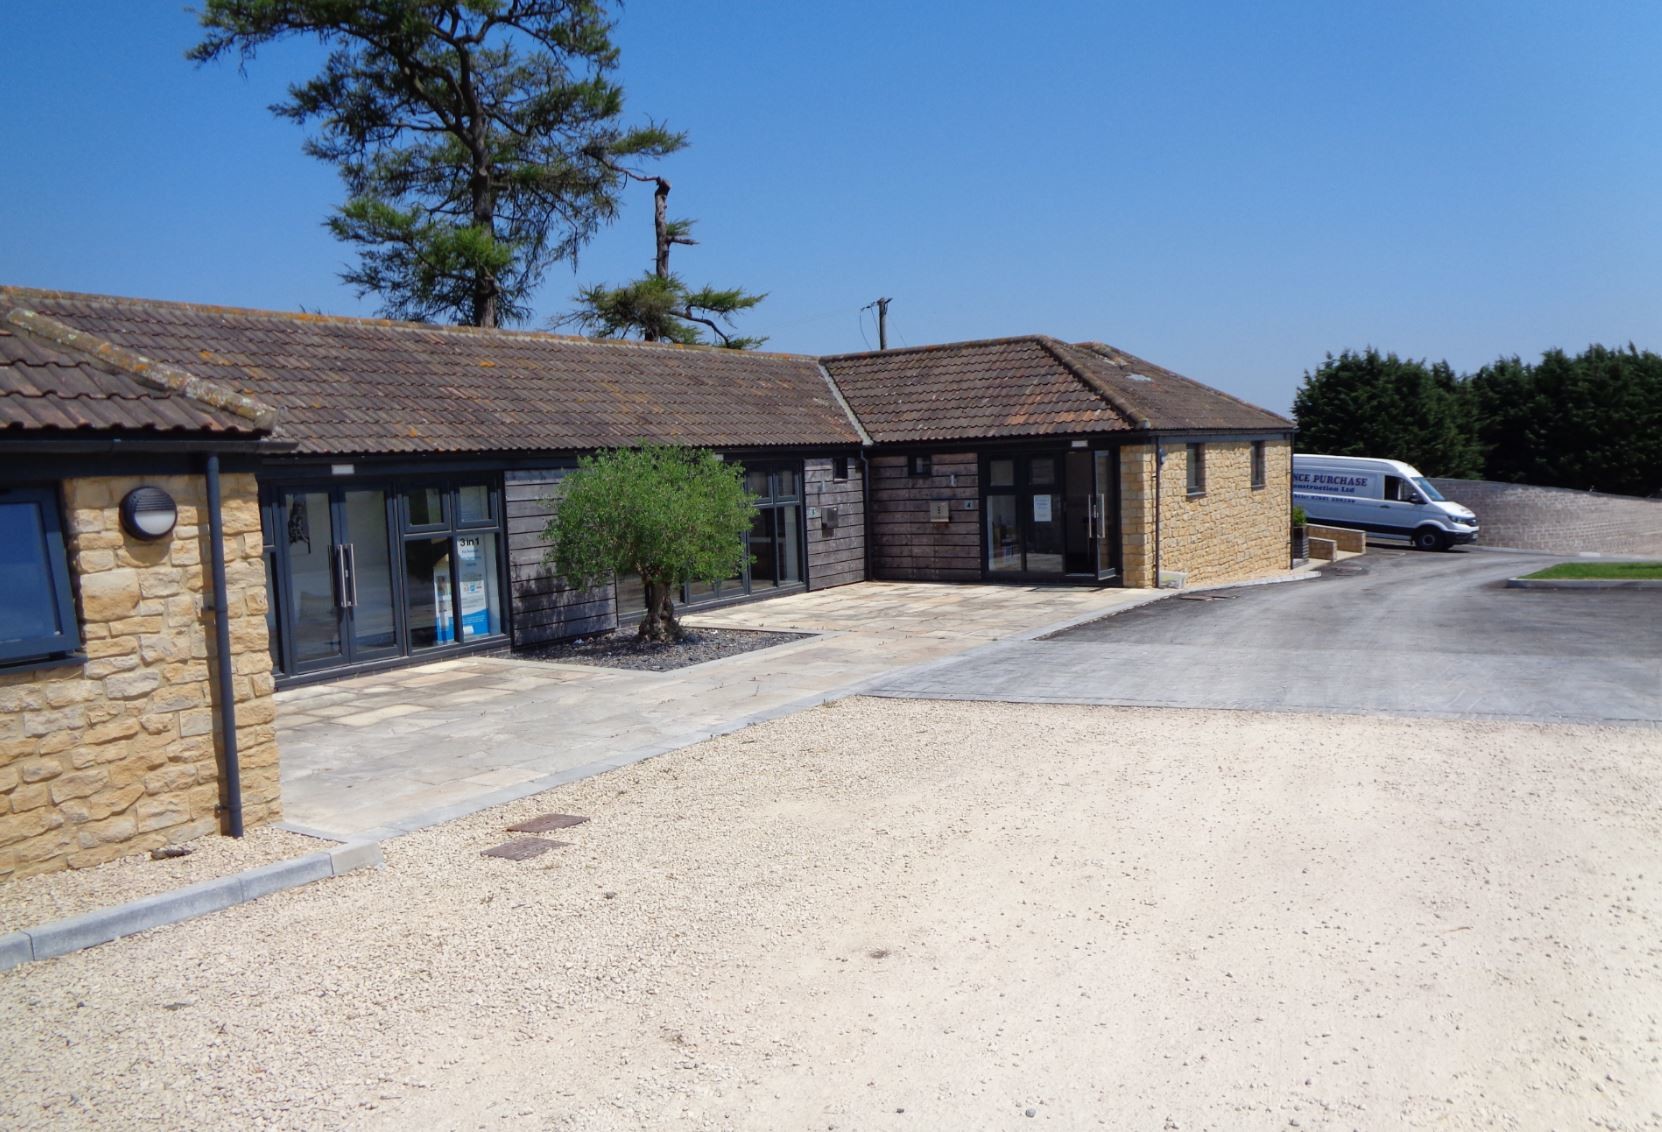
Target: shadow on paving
[1395,632]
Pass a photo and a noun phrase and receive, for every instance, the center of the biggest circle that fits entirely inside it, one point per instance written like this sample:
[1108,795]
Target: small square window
[37,609]
[1257,463]
[920,466]
[1197,469]
[425,507]
[839,467]
[473,504]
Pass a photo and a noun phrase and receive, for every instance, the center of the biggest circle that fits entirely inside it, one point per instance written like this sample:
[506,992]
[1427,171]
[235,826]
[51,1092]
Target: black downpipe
[1159,463]
[222,644]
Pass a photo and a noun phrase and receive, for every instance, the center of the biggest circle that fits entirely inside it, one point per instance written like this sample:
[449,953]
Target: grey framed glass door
[339,605]
[1024,502]
[1050,516]
[1105,527]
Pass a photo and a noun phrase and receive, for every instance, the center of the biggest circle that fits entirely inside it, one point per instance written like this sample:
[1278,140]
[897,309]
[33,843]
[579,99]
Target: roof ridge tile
[1055,348]
[15,294]
[157,375]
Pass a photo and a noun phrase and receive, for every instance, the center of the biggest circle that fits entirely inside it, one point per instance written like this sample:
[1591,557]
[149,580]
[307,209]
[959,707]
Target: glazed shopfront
[363,573]
[1051,515]
[368,571]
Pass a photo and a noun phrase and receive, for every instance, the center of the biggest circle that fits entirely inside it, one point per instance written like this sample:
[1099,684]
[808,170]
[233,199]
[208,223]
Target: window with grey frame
[1257,464]
[451,534]
[37,604]
[1196,460]
[773,545]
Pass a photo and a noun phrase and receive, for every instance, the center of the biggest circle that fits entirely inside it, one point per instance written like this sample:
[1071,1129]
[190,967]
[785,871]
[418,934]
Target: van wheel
[1430,538]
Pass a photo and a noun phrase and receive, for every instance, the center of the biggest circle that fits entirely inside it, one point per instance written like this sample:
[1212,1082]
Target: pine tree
[478,141]
[660,306]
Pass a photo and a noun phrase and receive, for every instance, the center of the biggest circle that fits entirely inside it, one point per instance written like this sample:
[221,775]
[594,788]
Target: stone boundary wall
[120,754]
[1347,539]
[1559,519]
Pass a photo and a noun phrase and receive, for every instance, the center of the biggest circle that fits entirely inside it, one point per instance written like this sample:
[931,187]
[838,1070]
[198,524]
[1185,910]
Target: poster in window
[444,627]
[1041,508]
[476,614]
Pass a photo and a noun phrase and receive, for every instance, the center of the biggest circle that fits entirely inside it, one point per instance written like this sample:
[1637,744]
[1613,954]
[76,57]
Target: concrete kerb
[60,937]
[1584,583]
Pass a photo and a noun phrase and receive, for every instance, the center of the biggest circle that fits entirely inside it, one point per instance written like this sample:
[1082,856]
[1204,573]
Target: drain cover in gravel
[542,823]
[523,848]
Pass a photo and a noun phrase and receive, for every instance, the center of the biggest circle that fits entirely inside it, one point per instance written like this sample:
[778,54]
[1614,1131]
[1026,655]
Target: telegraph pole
[882,306]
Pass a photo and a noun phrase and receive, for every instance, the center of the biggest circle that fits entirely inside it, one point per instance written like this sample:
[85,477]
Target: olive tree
[671,515]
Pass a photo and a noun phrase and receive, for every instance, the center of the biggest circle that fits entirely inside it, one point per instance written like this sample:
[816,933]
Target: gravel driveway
[889,914]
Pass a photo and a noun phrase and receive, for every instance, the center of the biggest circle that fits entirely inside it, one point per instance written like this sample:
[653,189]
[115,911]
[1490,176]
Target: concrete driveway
[1396,632]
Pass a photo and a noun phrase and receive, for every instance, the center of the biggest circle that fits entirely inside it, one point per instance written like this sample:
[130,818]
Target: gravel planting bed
[37,900]
[624,650]
[885,914]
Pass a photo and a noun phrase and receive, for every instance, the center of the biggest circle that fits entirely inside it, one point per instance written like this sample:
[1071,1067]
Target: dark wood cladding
[907,546]
[835,557]
[545,608]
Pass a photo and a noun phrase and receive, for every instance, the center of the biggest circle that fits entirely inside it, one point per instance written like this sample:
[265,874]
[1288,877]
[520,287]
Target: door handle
[351,549]
[340,577]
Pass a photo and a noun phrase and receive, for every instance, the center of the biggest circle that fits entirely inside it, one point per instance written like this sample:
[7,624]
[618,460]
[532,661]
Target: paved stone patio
[383,754]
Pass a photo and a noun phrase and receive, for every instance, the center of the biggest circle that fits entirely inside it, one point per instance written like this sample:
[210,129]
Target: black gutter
[10,443]
[232,783]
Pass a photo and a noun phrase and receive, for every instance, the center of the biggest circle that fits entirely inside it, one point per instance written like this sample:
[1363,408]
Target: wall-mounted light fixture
[148,513]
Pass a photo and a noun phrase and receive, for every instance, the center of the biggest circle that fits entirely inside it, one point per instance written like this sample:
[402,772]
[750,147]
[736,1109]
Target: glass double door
[341,605]
[1052,515]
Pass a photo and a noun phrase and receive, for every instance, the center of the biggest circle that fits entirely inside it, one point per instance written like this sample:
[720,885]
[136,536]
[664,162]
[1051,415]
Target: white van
[1382,497]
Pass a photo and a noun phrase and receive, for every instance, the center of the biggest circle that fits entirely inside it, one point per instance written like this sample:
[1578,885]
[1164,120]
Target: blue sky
[1227,189]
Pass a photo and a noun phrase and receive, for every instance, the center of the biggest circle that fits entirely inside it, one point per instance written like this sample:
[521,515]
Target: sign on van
[1336,483]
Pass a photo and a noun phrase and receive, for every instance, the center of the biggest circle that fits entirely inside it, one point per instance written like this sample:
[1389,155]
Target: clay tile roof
[1031,386]
[365,386]
[1168,400]
[47,385]
[996,388]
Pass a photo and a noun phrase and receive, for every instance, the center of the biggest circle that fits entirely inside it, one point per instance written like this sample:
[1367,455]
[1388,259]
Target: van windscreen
[1431,493]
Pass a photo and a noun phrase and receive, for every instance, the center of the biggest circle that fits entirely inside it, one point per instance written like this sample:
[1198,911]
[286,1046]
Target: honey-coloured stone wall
[121,754]
[1230,532]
